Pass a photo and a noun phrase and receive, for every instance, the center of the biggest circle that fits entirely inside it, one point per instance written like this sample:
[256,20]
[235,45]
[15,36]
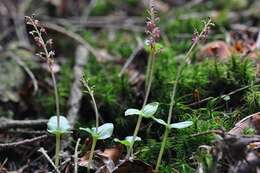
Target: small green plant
[153,36]
[196,38]
[128,141]
[58,124]
[147,111]
[99,132]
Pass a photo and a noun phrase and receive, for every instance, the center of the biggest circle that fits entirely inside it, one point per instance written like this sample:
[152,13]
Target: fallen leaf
[216,49]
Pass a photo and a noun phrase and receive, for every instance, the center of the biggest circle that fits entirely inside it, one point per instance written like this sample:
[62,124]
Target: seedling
[147,111]
[99,132]
[153,33]
[102,132]
[127,142]
[57,125]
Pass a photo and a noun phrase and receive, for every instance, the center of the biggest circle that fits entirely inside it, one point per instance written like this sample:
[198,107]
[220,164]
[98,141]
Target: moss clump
[102,8]
[112,93]
[45,100]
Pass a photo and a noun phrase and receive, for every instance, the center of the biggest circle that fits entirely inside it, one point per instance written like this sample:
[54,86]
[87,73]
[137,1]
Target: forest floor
[218,89]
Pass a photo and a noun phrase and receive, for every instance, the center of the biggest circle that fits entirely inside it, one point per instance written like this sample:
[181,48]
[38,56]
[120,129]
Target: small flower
[152,30]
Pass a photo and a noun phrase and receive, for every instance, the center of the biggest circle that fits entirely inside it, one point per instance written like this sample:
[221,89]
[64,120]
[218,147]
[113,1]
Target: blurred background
[99,37]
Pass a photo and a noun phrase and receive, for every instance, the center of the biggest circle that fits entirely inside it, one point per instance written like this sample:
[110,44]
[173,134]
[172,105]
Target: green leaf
[123,142]
[91,131]
[132,112]
[160,121]
[181,125]
[128,140]
[64,125]
[225,97]
[105,131]
[149,110]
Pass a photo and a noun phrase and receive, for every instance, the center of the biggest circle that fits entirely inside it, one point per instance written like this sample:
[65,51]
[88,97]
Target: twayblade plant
[128,141]
[168,126]
[99,132]
[58,124]
[153,36]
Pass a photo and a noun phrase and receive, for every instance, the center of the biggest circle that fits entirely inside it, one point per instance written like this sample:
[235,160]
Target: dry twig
[8,123]
[75,92]
[24,142]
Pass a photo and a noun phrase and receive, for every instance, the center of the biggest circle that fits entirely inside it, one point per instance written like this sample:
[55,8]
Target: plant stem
[149,72]
[178,75]
[57,150]
[92,153]
[165,136]
[56,98]
[91,93]
[49,61]
[96,110]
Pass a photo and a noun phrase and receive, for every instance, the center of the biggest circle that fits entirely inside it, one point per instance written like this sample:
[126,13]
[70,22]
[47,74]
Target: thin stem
[96,110]
[150,76]
[57,150]
[92,153]
[174,89]
[91,93]
[56,98]
[49,61]
[76,156]
[149,71]
[165,136]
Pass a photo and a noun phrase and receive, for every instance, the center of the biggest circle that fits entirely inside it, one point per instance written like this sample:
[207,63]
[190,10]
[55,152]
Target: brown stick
[8,123]
[77,38]
[24,142]
[76,92]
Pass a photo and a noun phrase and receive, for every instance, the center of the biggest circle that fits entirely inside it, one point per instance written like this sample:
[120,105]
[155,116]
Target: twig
[76,156]
[87,10]
[134,24]
[49,159]
[229,94]
[76,37]
[131,58]
[29,132]
[26,69]
[207,132]
[76,92]
[8,123]
[24,142]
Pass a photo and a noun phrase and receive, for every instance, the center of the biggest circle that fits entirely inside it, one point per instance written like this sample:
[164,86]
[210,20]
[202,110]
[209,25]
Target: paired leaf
[160,121]
[105,131]
[64,126]
[132,112]
[128,140]
[102,132]
[181,125]
[149,110]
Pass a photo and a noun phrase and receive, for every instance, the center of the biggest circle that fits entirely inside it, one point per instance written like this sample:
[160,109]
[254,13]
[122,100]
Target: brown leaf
[216,49]
[249,121]
[134,166]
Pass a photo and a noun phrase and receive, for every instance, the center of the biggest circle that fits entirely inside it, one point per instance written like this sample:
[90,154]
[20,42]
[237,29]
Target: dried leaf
[133,166]
[216,49]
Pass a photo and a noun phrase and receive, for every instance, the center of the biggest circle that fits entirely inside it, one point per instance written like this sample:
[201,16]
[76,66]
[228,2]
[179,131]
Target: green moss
[112,93]
[102,8]
[45,100]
